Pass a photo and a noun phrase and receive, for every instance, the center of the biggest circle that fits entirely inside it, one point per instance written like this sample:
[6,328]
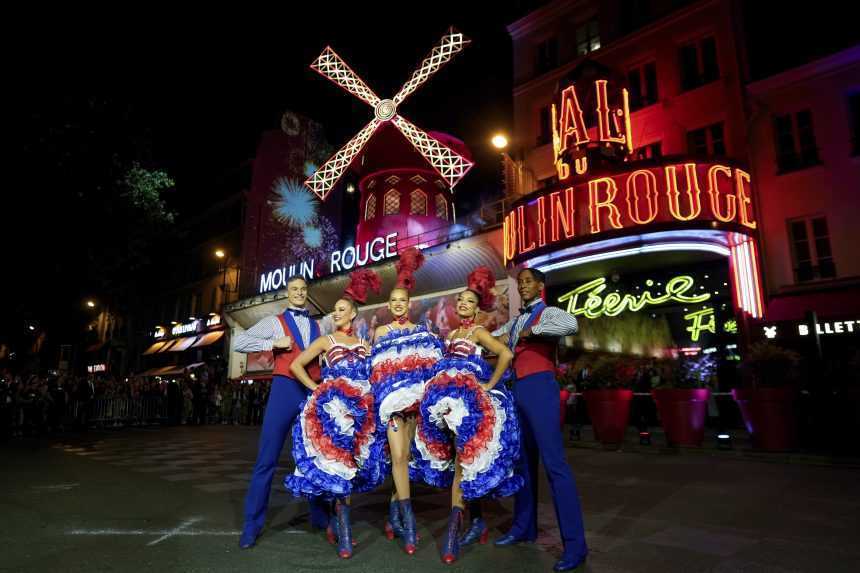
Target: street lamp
[91,304]
[219,253]
[499,141]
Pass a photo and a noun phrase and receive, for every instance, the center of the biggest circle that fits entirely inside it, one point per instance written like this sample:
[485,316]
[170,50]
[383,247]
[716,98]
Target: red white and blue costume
[336,445]
[460,422]
[402,360]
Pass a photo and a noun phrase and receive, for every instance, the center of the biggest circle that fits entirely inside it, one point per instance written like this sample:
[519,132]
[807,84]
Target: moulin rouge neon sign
[569,132]
[706,192]
[630,198]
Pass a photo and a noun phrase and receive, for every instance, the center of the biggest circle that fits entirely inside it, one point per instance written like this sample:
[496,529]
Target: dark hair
[538,275]
[403,288]
[295,278]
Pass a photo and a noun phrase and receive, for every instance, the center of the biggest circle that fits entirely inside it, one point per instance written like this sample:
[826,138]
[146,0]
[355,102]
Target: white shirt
[261,336]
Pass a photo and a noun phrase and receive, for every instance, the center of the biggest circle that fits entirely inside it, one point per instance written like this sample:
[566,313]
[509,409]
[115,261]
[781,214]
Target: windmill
[449,164]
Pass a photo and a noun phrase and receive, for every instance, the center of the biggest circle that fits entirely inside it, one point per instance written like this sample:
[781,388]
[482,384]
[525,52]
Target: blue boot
[408,519]
[344,531]
[451,544]
[478,530]
[393,527]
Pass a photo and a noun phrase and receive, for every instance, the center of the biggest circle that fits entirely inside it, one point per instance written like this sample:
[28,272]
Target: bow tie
[526,309]
[299,312]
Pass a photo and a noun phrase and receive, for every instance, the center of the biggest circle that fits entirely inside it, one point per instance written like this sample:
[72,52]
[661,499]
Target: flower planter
[609,411]
[769,416]
[682,414]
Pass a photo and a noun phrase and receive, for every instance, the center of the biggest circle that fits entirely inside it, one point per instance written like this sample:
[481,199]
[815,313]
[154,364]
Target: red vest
[536,355]
[284,358]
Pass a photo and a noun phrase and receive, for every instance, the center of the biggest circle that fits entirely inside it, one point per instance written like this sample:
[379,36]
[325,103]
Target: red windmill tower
[404,188]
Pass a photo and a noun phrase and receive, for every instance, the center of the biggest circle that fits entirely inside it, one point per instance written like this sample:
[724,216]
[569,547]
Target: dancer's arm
[312,352]
[485,339]
[263,336]
[553,322]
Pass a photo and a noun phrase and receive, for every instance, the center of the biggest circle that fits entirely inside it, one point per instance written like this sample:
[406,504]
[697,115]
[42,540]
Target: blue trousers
[284,400]
[538,408]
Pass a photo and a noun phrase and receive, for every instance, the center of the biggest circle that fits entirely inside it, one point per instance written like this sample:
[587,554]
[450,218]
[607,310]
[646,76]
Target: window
[642,82]
[392,202]
[652,151]
[810,248]
[854,113]
[587,38]
[370,208]
[707,141]
[545,130]
[698,62]
[441,207]
[546,55]
[795,141]
[418,202]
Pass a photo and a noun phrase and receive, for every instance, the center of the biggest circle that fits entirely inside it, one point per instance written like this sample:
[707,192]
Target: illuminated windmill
[449,164]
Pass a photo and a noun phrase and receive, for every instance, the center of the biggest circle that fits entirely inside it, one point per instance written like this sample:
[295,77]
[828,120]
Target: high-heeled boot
[393,526]
[407,518]
[451,543]
[344,531]
[478,530]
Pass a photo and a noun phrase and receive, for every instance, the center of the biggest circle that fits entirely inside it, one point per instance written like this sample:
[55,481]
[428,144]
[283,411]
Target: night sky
[192,93]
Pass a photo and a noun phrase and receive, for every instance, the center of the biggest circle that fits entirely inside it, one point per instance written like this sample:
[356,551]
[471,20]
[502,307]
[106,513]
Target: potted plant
[607,392]
[683,401]
[767,404]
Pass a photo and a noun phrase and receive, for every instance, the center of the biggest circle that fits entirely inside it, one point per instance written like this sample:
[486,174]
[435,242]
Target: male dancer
[286,335]
[533,337]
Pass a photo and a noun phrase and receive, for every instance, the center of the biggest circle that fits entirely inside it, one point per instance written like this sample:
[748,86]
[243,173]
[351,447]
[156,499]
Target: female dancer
[335,440]
[402,359]
[468,434]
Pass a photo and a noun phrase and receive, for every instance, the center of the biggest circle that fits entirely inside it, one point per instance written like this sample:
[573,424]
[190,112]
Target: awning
[209,338]
[255,376]
[170,370]
[155,347]
[166,346]
[96,347]
[151,371]
[183,344]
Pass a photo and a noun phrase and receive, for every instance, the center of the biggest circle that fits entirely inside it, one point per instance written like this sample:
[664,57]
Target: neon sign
[185,328]
[351,257]
[631,200]
[587,299]
[833,327]
[570,134]
[702,320]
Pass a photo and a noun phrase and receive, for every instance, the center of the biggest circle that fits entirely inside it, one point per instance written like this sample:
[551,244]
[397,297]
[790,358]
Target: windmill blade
[451,43]
[448,163]
[331,66]
[322,181]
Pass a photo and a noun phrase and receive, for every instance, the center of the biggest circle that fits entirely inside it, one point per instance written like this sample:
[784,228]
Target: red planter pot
[563,395]
[770,417]
[683,413]
[609,411]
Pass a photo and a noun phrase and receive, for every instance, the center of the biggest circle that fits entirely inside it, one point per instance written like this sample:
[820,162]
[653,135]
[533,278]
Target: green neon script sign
[588,299]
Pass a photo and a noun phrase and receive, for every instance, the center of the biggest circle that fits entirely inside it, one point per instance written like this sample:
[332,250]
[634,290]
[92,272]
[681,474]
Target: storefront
[179,349]
[657,258]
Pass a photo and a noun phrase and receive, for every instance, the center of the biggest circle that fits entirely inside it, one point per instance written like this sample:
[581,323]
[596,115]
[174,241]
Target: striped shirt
[261,336]
[553,321]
